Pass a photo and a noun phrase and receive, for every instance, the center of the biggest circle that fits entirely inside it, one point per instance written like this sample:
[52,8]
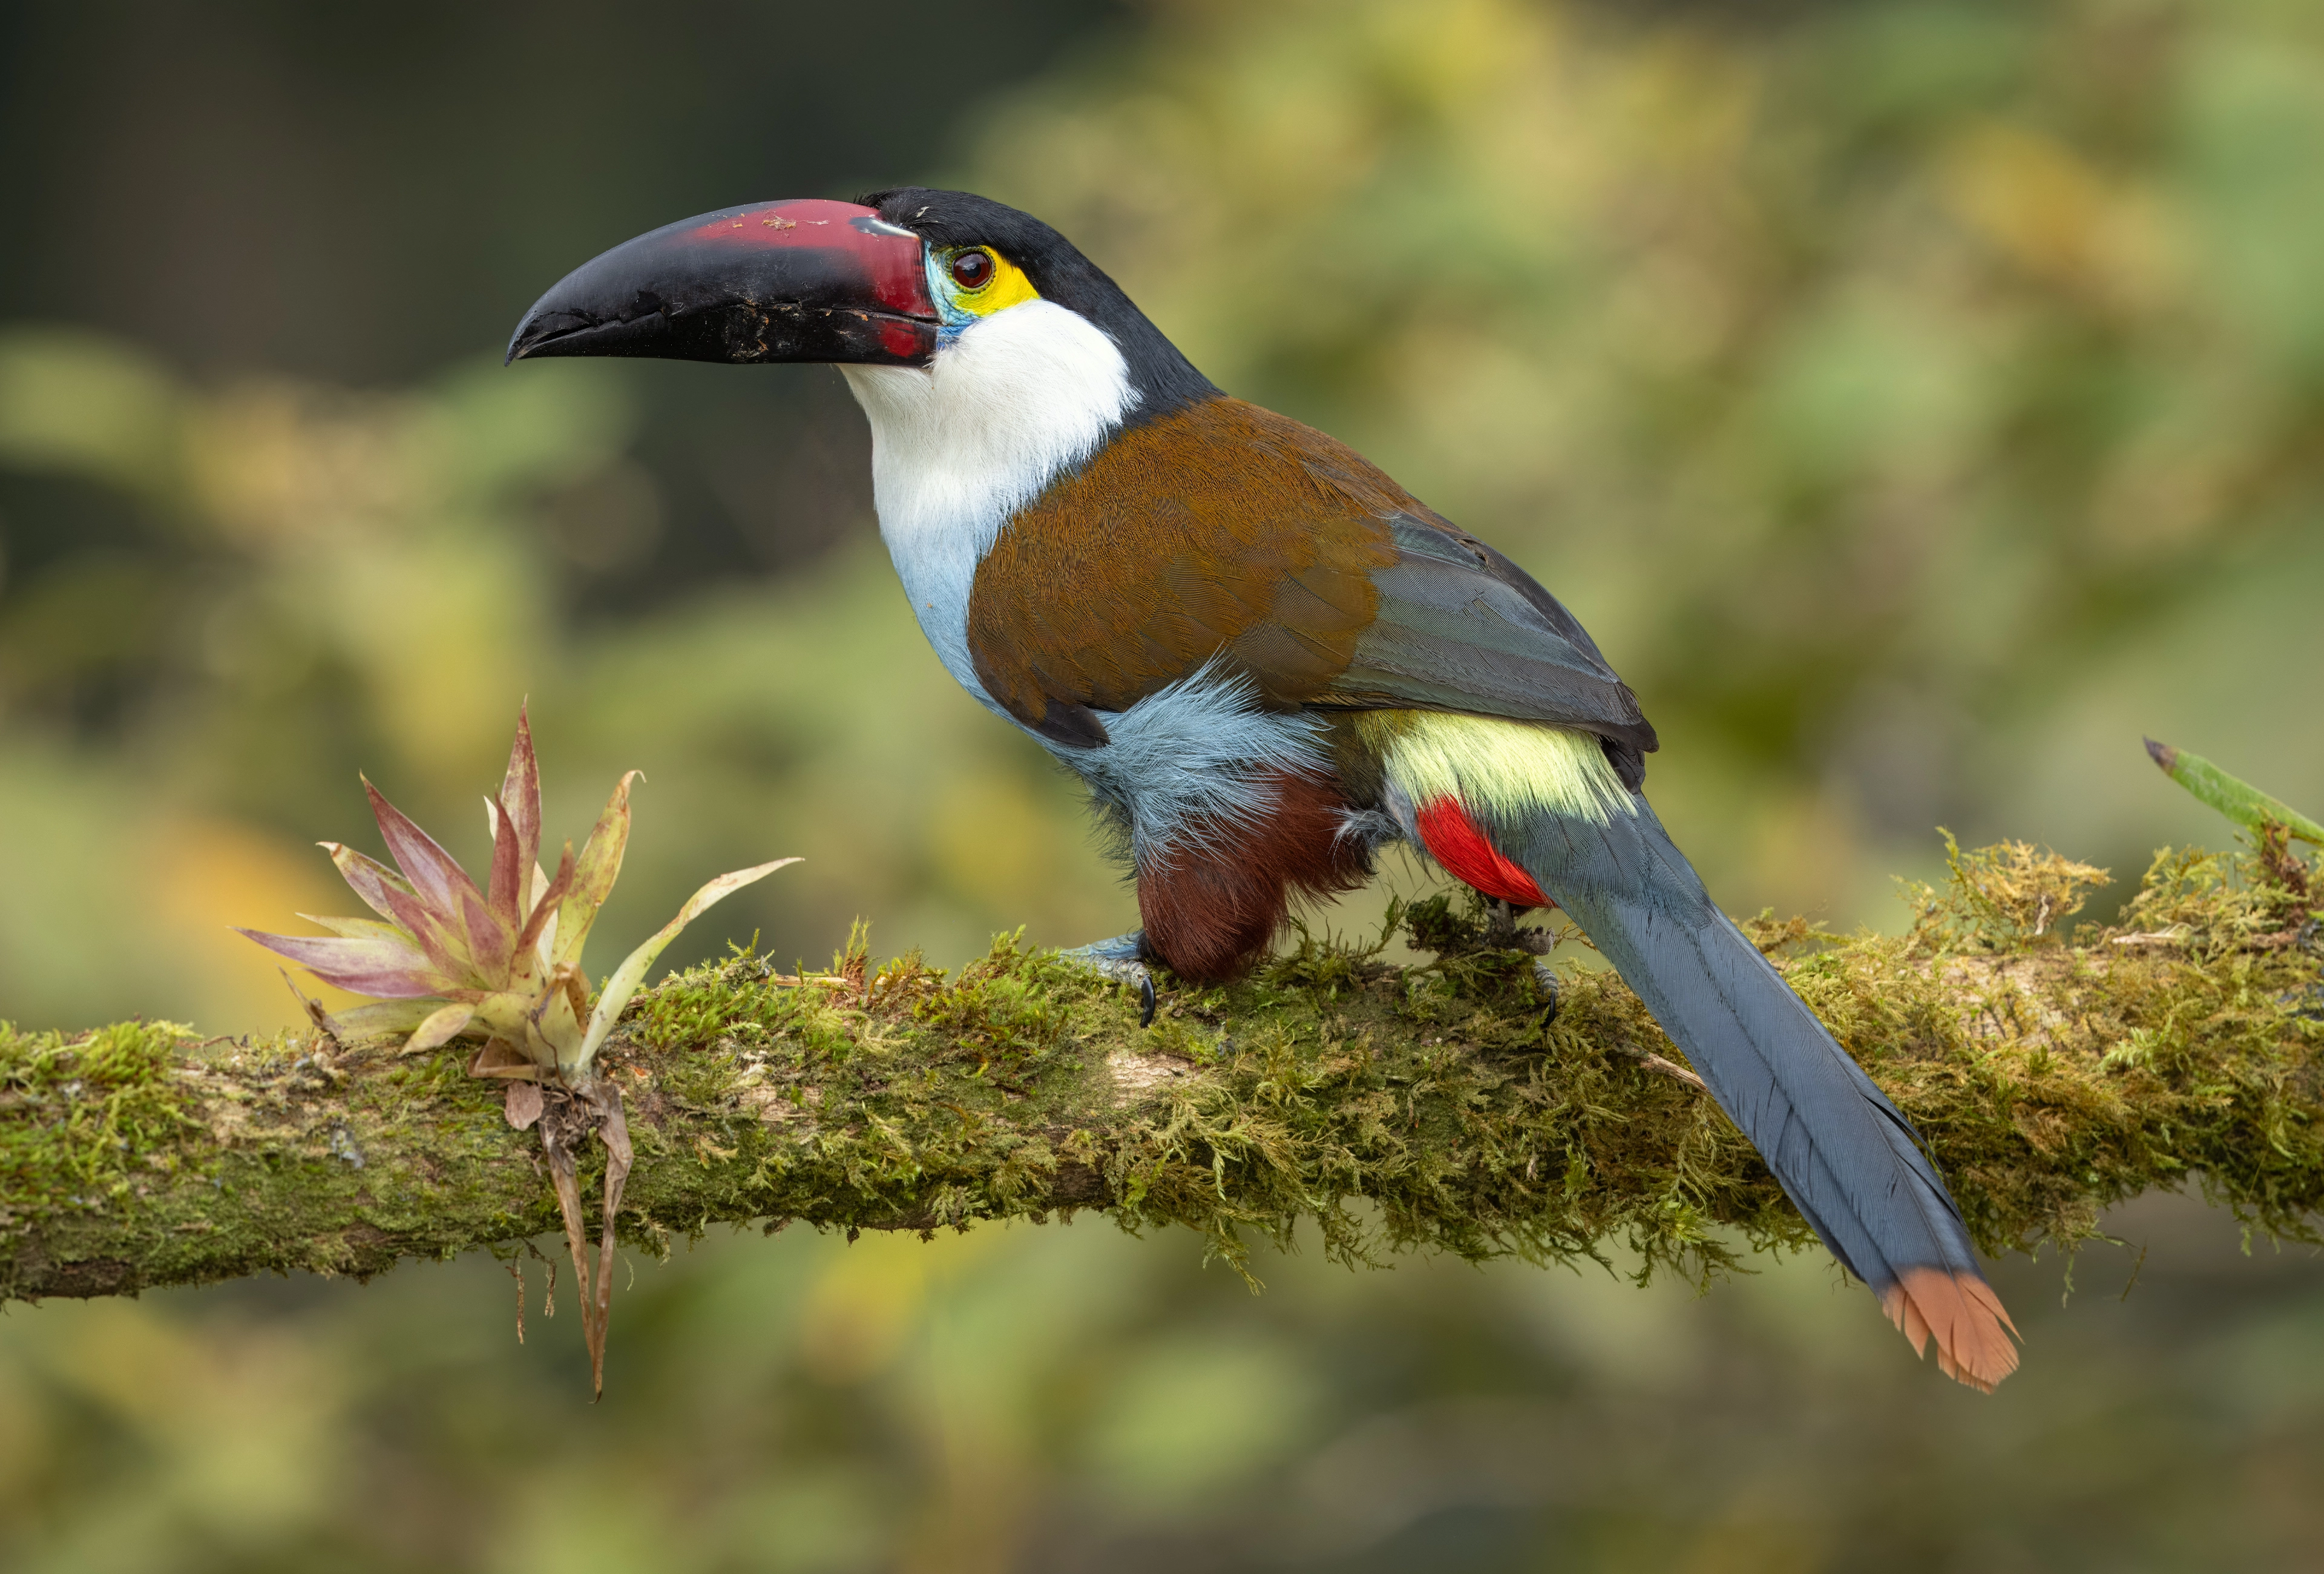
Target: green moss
[2051,1076]
[79,1115]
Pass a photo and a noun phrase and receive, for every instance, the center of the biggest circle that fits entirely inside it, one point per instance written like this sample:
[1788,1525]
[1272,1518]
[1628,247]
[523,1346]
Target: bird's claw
[1121,959]
[1545,978]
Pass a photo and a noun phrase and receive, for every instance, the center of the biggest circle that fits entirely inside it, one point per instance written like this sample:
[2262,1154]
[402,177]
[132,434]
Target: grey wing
[1459,627]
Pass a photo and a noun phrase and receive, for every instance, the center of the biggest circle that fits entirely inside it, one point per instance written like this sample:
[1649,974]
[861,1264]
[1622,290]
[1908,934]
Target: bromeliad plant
[444,960]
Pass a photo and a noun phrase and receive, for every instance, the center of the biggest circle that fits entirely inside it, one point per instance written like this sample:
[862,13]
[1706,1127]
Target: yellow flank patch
[1508,769]
[1007,287]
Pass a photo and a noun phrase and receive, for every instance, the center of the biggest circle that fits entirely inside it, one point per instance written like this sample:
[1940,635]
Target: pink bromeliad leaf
[389,968]
[527,892]
[446,944]
[444,958]
[435,878]
[512,870]
[520,792]
[366,876]
[492,941]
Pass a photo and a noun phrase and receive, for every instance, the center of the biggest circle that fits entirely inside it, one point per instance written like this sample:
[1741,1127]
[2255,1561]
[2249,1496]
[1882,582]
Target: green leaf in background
[2239,801]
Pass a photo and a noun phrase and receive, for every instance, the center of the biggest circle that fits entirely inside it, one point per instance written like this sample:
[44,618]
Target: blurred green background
[1918,401]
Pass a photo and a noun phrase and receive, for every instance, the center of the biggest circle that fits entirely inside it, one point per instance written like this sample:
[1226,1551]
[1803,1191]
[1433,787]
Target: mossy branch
[2051,1078]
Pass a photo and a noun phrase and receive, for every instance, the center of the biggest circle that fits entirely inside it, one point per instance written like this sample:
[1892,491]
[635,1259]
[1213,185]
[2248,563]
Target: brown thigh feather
[1213,909]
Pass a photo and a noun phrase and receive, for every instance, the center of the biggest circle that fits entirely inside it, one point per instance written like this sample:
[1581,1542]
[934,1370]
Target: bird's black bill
[805,281]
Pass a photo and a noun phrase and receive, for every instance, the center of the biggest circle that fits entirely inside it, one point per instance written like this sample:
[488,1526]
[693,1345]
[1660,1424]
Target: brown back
[1220,530]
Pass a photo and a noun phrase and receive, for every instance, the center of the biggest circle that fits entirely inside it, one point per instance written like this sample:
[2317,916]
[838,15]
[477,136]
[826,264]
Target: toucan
[1266,659]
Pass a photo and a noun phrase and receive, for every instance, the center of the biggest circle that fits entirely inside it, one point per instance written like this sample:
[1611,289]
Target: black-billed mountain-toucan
[1264,658]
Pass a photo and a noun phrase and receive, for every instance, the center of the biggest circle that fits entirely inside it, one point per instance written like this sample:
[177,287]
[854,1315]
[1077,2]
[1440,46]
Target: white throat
[959,447]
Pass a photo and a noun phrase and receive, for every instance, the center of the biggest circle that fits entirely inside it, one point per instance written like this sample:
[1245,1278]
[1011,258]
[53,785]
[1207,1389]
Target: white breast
[958,448]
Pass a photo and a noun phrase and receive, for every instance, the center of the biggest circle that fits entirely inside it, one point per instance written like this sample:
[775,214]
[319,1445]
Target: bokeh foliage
[1919,400]
[1900,394]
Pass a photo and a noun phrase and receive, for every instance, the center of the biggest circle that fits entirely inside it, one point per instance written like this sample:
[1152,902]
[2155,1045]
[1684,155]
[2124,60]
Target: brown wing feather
[1226,531]
[1223,530]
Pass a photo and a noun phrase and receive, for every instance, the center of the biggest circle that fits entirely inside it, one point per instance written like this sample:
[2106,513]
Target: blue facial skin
[950,316]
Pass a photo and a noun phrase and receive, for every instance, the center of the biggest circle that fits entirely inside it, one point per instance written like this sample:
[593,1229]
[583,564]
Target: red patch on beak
[1455,841]
[903,339]
[891,257]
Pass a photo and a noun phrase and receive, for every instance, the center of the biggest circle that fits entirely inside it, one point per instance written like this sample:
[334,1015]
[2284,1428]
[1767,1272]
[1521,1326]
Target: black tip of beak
[804,281]
[548,330]
[533,333]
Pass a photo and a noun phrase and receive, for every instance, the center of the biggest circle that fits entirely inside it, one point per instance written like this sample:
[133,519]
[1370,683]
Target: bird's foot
[1502,933]
[1545,978]
[1121,959]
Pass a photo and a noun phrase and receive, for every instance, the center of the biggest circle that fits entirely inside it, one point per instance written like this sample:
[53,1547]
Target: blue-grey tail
[1844,1154]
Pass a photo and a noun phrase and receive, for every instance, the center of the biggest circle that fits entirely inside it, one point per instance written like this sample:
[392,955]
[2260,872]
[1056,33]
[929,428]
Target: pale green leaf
[632,973]
[440,1028]
[599,865]
[382,1019]
[356,928]
[2239,801]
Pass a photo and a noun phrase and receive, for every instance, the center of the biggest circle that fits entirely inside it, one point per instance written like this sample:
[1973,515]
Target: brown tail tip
[2163,755]
[1961,1311]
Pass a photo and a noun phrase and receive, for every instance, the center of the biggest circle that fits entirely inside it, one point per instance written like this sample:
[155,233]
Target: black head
[836,283]
[1165,379]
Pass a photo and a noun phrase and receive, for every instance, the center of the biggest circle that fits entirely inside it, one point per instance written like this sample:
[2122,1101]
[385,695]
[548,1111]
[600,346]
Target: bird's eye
[972,269]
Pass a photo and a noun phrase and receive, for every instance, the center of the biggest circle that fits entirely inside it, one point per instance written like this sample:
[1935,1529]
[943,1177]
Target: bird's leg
[1122,960]
[1501,931]
[1545,978]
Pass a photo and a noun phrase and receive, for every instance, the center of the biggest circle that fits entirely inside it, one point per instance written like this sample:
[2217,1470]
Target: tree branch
[2051,1079]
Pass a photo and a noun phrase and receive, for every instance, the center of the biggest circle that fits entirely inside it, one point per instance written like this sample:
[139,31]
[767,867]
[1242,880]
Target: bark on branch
[2051,1077]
